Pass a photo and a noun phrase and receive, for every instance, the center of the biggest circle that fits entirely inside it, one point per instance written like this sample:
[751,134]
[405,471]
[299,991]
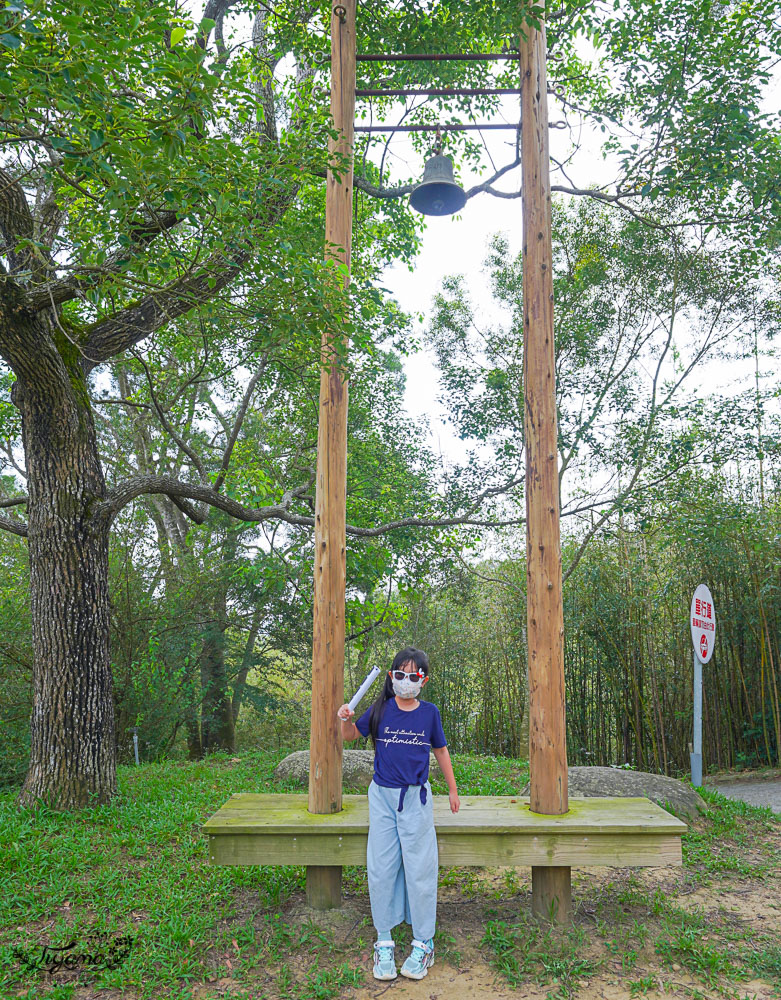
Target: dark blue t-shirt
[404,742]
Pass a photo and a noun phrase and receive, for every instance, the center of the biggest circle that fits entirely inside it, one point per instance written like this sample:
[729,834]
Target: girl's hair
[420,660]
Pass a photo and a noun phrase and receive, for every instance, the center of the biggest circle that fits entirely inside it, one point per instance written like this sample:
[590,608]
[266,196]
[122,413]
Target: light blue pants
[402,860]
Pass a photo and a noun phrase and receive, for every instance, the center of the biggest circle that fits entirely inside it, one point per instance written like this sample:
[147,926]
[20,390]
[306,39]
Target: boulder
[357,768]
[588,782]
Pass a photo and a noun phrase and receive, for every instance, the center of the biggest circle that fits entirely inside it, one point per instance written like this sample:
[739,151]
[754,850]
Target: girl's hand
[455,802]
[345,713]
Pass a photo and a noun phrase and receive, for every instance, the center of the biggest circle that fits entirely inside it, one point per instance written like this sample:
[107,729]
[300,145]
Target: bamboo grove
[628,655]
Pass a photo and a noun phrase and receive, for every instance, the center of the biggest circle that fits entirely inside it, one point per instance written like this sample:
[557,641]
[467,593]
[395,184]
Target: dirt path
[759,792]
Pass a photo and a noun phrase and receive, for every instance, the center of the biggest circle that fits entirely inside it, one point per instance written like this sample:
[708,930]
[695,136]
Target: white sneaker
[420,959]
[384,960]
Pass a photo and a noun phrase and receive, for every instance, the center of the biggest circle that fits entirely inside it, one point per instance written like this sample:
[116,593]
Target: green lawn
[136,873]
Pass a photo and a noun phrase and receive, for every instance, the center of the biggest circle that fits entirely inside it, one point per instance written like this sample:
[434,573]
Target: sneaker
[384,960]
[420,959]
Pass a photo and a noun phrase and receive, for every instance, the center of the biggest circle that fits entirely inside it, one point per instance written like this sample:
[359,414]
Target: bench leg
[552,894]
[324,886]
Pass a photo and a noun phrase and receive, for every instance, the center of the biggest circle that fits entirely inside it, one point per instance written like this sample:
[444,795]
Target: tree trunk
[73,753]
[194,746]
[217,728]
[246,665]
[217,731]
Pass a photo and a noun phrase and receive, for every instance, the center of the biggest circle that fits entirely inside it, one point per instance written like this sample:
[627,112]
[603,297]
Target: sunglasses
[400,675]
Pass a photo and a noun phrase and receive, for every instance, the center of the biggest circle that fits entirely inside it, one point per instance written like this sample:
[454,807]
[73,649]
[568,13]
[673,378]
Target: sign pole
[696,755]
[702,621]
[324,882]
[551,886]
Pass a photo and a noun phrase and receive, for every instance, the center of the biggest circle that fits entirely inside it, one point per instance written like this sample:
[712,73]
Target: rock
[673,795]
[357,768]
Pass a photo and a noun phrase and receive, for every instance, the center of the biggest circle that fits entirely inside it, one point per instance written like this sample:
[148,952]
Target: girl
[402,860]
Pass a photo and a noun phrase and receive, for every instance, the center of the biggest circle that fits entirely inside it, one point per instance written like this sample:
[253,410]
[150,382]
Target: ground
[759,789]
[138,869]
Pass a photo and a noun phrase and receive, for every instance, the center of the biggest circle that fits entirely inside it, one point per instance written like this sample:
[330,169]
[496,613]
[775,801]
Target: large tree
[153,168]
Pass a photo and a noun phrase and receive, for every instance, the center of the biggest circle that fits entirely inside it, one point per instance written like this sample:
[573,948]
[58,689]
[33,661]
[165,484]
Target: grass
[725,846]
[126,893]
[526,950]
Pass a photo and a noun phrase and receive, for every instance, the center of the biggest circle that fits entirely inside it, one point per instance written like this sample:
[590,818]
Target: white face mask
[407,688]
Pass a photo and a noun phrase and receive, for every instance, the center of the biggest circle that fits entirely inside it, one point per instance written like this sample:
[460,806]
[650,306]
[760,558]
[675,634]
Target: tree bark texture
[72,754]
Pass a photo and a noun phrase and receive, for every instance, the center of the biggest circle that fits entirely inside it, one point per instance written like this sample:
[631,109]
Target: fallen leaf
[235,944]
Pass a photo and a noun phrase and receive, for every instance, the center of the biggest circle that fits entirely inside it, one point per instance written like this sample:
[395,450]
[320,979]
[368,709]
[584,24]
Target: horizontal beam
[471,848]
[438,128]
[438,57]
[439,92]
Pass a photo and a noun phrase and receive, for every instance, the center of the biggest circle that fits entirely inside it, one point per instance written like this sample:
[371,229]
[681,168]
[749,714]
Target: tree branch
[109,337]
[180,492]
[617,199]
[14,526]
[54,293]
[115,334]
[237,425]
[16,221]
[168,426]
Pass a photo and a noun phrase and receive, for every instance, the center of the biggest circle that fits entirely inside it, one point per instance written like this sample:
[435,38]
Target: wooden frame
[325,829]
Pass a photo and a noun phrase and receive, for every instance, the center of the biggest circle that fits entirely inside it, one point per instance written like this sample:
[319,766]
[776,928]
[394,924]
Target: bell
[438,193]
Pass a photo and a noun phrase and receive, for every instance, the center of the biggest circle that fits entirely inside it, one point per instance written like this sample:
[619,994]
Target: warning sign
[703,623]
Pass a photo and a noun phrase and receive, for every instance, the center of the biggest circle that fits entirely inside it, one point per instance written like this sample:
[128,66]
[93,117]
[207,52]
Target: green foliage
[163,156]
[669,61]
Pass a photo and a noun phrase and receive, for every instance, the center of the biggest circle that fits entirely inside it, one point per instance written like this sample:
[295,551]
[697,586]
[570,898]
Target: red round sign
[702,620]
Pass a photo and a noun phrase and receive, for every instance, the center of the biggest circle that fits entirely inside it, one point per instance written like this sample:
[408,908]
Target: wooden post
[551,887]
[324,883]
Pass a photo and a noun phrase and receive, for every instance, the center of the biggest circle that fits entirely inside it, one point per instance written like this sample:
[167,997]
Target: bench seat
[489,830]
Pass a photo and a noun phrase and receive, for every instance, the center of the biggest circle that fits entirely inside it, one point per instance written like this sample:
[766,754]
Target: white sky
[458,246]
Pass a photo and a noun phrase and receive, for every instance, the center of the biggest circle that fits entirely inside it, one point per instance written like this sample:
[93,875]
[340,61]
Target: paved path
[758,793]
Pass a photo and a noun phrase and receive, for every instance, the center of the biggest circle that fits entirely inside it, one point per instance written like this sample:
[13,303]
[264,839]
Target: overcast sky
[458,246]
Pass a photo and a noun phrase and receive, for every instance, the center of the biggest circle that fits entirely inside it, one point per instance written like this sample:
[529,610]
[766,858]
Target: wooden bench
[491,831]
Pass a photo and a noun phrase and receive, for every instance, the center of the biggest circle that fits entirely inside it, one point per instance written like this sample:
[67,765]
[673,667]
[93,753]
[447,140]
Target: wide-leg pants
[402,860]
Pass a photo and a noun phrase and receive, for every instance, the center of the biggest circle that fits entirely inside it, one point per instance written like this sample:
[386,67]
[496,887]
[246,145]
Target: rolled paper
[371,677]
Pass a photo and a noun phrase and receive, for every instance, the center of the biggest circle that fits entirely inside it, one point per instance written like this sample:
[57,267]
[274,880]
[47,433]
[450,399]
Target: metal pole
[423,57]
[438,92]
[486,127]
[696,754]
[135,743]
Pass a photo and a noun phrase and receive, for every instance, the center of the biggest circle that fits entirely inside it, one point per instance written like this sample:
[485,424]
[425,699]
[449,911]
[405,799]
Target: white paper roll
[371,677]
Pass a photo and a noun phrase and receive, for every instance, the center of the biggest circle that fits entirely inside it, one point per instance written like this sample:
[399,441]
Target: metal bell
[438,193]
